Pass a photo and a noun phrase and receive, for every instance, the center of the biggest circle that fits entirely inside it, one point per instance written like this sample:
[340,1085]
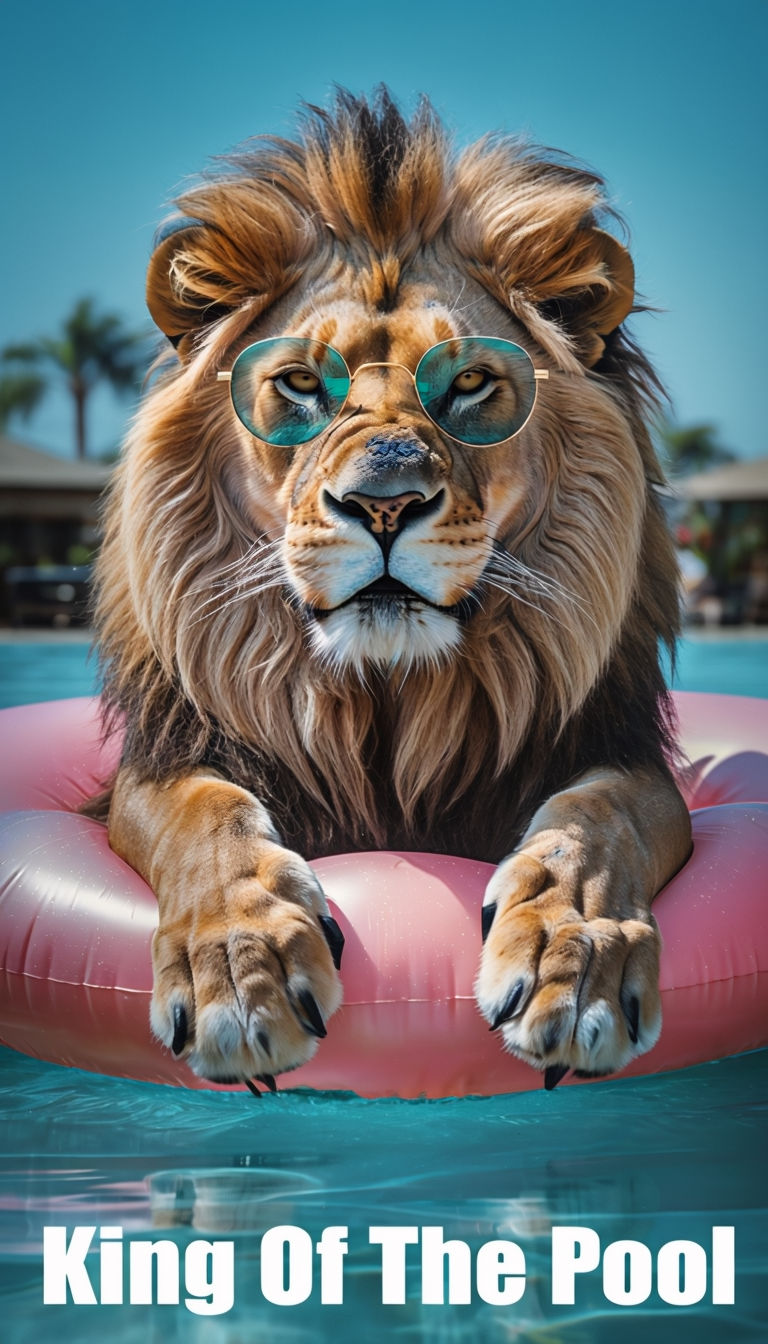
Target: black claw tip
[263,1039]
[508,1010]
[487,915]
[333,937]
[267,1080]
[179,1029]
[632,1014]
[312,1021]
[554,1075]
[252,1087]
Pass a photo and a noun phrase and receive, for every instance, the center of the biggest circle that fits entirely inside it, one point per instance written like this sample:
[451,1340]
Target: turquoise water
[33,670]
[651,1159]
[40,670]
[738,666]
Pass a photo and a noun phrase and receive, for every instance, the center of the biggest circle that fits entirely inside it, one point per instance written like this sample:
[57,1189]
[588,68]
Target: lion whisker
[261,552]
[521,581]
[244,594]
[495,581]
[256,569]
[504,566]
[504,583]
[234,588]
[215,603]
[544,582]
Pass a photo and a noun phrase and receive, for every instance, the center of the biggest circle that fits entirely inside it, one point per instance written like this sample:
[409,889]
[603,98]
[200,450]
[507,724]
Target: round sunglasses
[480,390]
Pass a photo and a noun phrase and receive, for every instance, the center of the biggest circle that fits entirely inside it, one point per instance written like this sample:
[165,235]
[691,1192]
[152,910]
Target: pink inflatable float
[76,923]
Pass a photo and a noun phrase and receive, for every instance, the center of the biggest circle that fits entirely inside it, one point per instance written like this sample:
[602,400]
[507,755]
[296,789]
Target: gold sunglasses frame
[539,375]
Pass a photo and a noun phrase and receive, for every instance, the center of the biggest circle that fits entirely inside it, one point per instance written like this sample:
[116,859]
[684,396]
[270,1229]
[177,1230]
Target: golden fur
[583,528]
[219,558]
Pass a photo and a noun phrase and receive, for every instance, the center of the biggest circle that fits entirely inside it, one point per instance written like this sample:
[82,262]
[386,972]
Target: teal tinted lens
[289,389]
[478,389]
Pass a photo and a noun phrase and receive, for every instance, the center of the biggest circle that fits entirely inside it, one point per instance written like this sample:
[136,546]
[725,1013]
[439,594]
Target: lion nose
[385,514]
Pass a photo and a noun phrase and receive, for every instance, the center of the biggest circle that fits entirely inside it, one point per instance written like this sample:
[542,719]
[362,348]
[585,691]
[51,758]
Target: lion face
[388,524]
[392,534]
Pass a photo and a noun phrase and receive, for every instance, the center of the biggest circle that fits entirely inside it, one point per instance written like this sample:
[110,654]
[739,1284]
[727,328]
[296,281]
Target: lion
[384,565]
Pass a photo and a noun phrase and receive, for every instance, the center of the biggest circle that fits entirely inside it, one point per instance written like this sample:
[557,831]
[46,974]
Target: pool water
[738,665]
[35,669]
[652,1160]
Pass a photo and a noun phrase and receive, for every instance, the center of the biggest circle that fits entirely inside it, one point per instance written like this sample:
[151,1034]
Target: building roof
[735,480]
[25,468]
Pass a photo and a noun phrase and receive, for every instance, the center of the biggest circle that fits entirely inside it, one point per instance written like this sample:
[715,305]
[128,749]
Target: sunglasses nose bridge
[382,364]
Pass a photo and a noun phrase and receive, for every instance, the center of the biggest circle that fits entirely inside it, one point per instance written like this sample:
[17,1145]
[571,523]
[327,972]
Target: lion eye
[301,380]
[470,380]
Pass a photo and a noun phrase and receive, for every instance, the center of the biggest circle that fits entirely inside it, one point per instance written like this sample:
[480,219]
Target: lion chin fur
[397,640]
[399,725]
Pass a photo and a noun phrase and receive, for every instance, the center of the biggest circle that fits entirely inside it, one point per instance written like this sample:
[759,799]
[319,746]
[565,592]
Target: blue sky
[108,107]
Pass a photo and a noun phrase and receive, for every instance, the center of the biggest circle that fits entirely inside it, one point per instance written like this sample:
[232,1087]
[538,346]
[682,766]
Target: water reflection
[224,1200]
[651,1159]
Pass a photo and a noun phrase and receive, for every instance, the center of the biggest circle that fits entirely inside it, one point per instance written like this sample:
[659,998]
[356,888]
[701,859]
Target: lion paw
[567,990]
[244,982]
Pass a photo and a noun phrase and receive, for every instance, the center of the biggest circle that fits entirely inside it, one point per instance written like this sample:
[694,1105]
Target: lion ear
[595,296]
[615,302]
[184,291]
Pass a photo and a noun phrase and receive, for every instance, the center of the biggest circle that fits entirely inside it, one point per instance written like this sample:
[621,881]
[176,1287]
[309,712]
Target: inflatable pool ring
[76,923]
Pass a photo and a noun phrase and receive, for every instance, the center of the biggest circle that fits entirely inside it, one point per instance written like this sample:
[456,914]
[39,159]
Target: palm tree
[92,347]
[20,393]
[691,449]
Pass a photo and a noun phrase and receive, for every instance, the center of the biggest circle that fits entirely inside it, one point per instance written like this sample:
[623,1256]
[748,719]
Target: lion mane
[558,668]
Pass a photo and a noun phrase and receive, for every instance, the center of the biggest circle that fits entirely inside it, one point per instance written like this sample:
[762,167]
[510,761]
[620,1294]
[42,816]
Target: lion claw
[487,915]
[632,1015]
[554,1075]
[508,1009]
[333,937]
[312,1020]
[179,1029]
